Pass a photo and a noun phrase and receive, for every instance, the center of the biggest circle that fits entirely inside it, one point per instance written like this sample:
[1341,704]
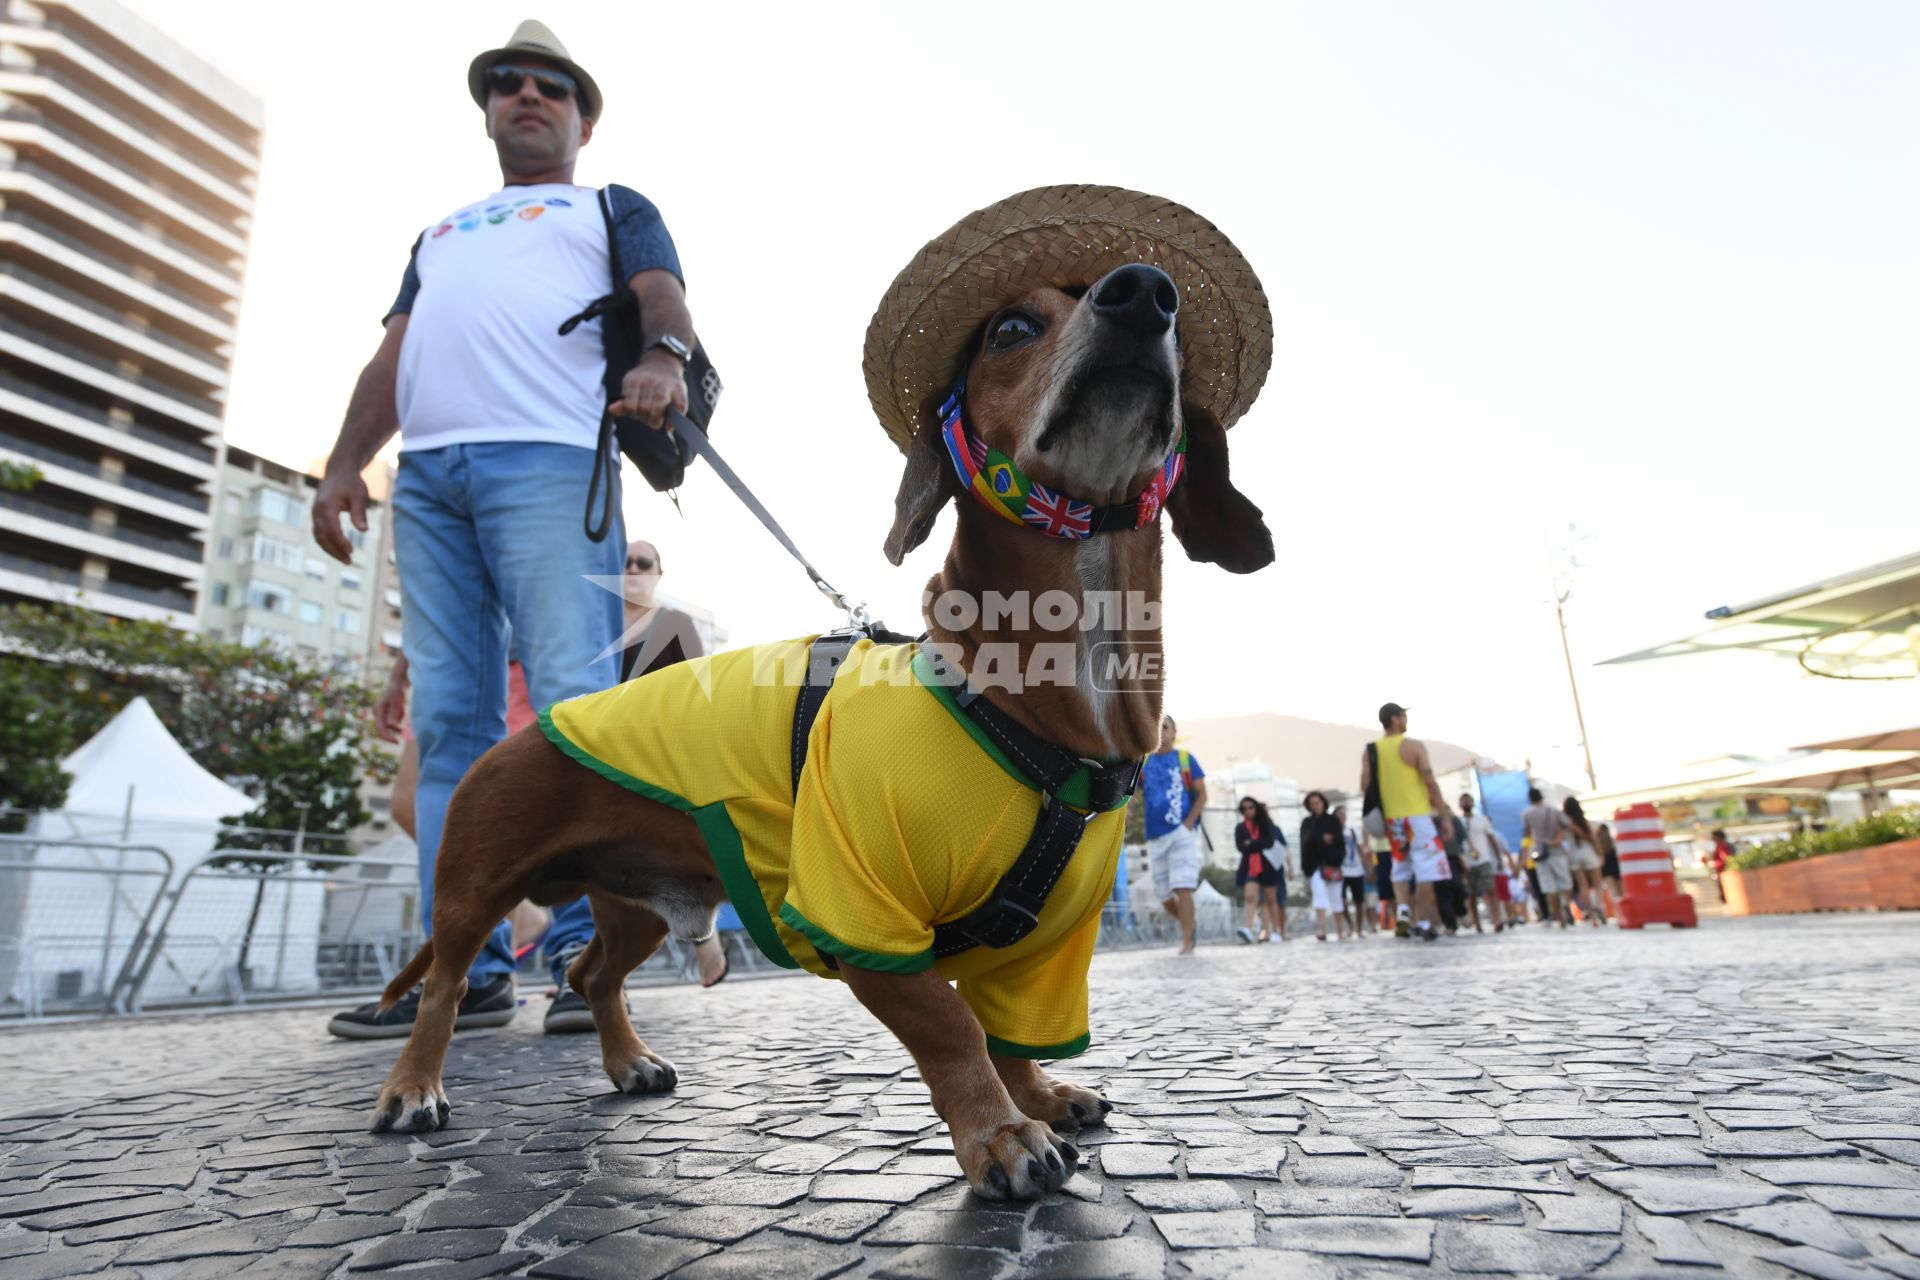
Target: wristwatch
[674,347]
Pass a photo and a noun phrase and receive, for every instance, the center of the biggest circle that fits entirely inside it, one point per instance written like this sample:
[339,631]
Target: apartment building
[127,172]
[268,582]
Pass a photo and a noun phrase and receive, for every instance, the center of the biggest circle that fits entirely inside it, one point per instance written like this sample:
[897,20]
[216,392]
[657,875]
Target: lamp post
[1562,575]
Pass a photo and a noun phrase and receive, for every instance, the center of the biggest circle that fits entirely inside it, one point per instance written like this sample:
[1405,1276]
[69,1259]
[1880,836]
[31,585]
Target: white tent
[67,932]
[133,784]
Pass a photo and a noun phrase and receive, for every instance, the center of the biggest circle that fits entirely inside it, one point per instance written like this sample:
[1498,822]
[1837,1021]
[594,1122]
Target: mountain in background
[1311,752]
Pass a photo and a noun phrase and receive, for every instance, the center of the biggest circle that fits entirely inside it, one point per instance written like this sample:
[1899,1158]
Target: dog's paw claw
[411,1111]
[646,1075]
[1022,1161]
[997,1182]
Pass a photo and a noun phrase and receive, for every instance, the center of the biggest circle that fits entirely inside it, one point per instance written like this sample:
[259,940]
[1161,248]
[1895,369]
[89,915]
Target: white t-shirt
[482,359]
[1480,840]
[1351,865]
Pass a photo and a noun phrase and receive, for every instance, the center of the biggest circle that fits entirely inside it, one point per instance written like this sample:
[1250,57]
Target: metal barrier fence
[75,917]
[105,928]
[248,925]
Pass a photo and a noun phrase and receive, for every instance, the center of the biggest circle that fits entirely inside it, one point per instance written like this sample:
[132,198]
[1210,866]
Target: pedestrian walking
[1323,855]
[1481,857]
[1609,864]
[1174,790]
[1412,809]
[1717,858]
[499,421]
[1262,876]
[1548,829]
[1584,858]
[1355,869]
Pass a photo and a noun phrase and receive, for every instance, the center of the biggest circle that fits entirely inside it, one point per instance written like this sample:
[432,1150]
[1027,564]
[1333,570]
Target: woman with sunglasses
[1262,876]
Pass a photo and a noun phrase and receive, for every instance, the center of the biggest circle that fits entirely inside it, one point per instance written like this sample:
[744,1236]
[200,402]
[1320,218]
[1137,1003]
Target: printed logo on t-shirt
[493,215]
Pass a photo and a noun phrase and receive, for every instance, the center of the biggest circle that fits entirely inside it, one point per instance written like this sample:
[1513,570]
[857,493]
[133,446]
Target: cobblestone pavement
[1744,1097]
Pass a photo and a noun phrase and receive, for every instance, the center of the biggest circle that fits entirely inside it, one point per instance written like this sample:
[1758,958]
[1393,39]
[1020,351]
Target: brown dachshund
[1083,389]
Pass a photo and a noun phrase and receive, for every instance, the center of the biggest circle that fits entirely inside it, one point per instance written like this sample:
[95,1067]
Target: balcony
[96,418]
[125,42]
[150,105]
[196,502]
[70,109]
[38,187]
[116,330]
[178,548]
[173,602]
[64,358]
[83,258]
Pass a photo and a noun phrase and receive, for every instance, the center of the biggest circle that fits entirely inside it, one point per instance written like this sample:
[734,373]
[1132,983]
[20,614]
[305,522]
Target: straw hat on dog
[1067,236]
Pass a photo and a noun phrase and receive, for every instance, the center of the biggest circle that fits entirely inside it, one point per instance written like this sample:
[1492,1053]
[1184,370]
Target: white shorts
[1417,850]
[1328,894]
[1583,857]
[1554,872]
[1174,861]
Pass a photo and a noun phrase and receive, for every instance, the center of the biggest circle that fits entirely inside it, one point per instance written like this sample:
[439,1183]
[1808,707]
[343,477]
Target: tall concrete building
[268,582]
[127,171]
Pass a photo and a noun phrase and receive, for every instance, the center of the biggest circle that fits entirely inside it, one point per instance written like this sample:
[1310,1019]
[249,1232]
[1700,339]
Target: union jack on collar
[1004,489]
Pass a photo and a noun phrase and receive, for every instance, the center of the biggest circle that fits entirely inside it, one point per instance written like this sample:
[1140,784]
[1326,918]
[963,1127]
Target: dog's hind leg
[624,935]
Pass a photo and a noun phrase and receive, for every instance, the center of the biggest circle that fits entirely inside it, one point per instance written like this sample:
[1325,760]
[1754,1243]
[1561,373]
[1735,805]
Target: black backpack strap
[606,459]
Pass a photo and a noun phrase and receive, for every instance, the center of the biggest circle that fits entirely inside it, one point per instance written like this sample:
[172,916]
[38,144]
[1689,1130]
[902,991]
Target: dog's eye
[1012,329]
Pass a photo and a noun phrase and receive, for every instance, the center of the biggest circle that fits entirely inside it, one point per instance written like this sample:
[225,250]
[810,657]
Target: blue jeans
[488,537]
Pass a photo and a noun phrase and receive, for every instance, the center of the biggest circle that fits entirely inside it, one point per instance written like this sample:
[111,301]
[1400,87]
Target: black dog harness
[1089,786]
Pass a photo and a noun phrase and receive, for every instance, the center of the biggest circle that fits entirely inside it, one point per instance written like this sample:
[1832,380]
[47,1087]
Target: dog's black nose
[1137,297]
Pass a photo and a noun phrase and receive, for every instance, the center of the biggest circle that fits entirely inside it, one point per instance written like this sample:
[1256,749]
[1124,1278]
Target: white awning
[1863,625]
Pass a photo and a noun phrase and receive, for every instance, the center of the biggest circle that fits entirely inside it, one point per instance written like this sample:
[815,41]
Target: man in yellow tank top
[1411,804]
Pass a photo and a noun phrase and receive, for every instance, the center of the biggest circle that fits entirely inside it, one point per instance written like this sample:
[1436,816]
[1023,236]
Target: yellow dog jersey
[906,817]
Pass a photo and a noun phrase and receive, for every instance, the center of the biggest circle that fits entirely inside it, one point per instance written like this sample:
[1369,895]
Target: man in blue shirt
[1174,790]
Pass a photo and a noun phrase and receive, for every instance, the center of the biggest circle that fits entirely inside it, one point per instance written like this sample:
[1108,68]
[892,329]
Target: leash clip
[856,610]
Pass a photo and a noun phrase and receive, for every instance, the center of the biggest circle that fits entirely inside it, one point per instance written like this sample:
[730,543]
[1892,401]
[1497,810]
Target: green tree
[18,477]
[295,736]
[34,739]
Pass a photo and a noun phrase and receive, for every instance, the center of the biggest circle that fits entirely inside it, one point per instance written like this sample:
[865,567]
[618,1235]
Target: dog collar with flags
[1007,491]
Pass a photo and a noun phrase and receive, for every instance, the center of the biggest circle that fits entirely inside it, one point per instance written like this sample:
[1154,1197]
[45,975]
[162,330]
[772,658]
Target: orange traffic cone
[1648,892]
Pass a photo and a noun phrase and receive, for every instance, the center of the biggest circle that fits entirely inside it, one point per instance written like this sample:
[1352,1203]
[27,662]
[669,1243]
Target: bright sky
[1644,268]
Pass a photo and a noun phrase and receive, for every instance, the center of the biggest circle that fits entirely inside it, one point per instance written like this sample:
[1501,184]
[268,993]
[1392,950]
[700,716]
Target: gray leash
[856,610]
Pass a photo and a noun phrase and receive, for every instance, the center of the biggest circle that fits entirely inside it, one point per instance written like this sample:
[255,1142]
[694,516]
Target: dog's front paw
[646,1073]
[410,1109]
[1070,1107]
[1018,1161]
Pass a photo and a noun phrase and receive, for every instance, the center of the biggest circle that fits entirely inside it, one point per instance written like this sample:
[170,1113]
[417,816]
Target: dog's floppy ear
[924,488]
[1214,521]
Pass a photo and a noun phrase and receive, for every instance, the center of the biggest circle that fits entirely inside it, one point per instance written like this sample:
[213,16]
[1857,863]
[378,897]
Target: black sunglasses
[640,564]
[505,79]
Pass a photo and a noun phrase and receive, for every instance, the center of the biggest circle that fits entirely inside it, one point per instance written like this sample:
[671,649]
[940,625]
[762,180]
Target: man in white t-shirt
[499,421]
[1481,858]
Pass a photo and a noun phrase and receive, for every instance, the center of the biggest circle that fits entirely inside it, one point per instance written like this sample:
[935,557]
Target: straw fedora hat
[1067,236]
[538,39]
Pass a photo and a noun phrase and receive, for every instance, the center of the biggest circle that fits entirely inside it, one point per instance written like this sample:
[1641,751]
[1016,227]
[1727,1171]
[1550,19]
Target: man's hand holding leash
[650,386]
[659,379]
